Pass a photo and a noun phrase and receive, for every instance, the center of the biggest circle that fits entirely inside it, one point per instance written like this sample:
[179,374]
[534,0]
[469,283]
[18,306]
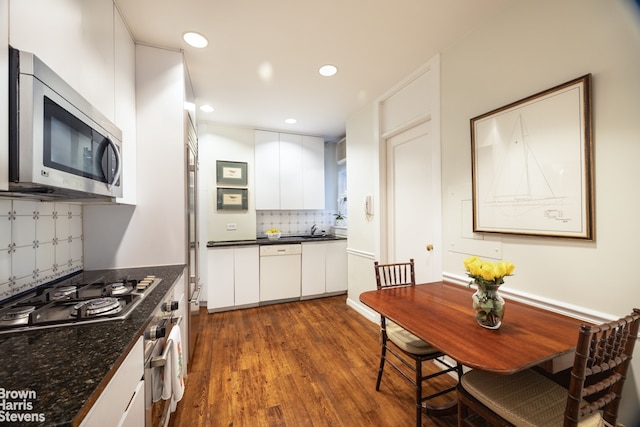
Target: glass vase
[488,306]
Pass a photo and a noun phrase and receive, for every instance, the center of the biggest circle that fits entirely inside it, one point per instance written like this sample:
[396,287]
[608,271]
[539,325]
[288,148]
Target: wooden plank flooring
[305,363]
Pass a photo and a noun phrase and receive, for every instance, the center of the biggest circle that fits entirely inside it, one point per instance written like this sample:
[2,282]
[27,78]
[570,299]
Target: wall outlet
[231,227]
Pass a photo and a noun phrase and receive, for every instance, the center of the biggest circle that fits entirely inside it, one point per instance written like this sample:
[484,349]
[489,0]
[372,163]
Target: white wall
[532,46]
[229,143]
[529,47]
[363,179]
[489,70]
[152,232]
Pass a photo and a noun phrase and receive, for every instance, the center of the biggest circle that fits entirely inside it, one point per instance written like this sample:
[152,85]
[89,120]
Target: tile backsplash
[39,242]
[294,222]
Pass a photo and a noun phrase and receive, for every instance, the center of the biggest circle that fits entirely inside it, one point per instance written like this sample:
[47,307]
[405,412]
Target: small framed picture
[231,173]
[232,199]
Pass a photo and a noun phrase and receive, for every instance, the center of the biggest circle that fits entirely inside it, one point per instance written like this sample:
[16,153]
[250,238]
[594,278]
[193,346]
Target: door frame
[428,111]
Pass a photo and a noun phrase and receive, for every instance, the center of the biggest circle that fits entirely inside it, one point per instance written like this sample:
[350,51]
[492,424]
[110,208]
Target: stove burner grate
[63,292]
[117,288]
[96,307]
[18,315]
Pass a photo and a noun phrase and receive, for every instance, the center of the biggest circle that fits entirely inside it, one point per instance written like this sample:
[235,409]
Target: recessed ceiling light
[195,39]
[290,121]
[207,108]
[328,70]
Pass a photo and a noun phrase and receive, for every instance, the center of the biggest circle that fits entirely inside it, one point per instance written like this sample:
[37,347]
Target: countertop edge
[260,241]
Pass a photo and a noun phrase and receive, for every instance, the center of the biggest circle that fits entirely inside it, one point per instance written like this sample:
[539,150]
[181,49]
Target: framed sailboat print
[532,165]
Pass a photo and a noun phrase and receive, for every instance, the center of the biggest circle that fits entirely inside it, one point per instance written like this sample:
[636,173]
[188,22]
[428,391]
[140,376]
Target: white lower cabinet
[336,266]
[234,277]
[122,401]
[324,268]
[313,269]
[246,264]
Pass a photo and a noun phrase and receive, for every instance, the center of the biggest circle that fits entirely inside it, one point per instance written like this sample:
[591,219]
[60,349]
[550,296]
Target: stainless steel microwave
[59,144]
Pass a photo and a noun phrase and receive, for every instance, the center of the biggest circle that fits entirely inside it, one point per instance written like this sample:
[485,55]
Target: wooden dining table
[441,314]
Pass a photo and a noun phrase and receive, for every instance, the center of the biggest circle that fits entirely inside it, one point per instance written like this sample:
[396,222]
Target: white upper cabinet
[75,39]
[267,170]
[289,171]
[313,167]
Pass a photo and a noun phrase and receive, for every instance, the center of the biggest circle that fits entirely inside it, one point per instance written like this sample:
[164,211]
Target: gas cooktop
[72,302]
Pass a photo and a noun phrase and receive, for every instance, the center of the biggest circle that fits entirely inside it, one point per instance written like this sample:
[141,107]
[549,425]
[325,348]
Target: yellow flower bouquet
[488,305]
[487,272]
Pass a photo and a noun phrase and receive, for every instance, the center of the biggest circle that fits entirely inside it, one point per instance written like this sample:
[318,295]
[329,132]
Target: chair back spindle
[398,274]
[602,358]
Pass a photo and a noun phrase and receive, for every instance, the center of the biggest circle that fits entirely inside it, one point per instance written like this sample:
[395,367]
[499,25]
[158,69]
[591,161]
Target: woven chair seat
[407,341]
[526,399]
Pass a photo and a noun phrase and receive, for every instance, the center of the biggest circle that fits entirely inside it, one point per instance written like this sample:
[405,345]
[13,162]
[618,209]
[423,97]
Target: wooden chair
[529,398]
[407,349]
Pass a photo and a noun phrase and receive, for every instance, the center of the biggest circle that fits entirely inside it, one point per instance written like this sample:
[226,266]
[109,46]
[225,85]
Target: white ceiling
[374,43]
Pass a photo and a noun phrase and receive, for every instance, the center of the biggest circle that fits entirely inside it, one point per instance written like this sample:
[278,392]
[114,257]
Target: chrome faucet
[314,228]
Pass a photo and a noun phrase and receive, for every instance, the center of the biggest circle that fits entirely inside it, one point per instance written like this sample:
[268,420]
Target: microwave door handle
[118,164]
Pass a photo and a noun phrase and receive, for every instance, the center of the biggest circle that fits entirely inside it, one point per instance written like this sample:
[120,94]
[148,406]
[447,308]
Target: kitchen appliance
[280,272]
[59,144]
[193,244]
[71,301]
[156,351]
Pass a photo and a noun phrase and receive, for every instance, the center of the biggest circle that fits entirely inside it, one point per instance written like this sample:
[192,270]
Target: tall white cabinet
[289,171]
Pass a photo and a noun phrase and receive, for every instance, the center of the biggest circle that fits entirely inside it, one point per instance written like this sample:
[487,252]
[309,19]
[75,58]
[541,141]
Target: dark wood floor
[306,363]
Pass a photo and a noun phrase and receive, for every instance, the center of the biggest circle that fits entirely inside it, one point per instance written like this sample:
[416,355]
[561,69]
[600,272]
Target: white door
[413,201]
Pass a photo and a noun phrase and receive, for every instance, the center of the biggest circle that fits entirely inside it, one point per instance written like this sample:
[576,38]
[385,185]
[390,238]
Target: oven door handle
[195,296]
[161,360]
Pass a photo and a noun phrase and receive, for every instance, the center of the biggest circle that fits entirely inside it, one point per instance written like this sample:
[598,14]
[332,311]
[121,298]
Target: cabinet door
[291,176]
[220,287]
[313,269]
[247,276]
[119,392]
[78,44]
[313,172]
[267,170]
[336,255]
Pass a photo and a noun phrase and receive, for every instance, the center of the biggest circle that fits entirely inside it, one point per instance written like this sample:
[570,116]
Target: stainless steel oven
[59,144]
[156,352]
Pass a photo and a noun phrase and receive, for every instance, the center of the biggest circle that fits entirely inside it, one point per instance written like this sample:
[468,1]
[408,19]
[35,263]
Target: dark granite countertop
[281,241]
[68,367]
